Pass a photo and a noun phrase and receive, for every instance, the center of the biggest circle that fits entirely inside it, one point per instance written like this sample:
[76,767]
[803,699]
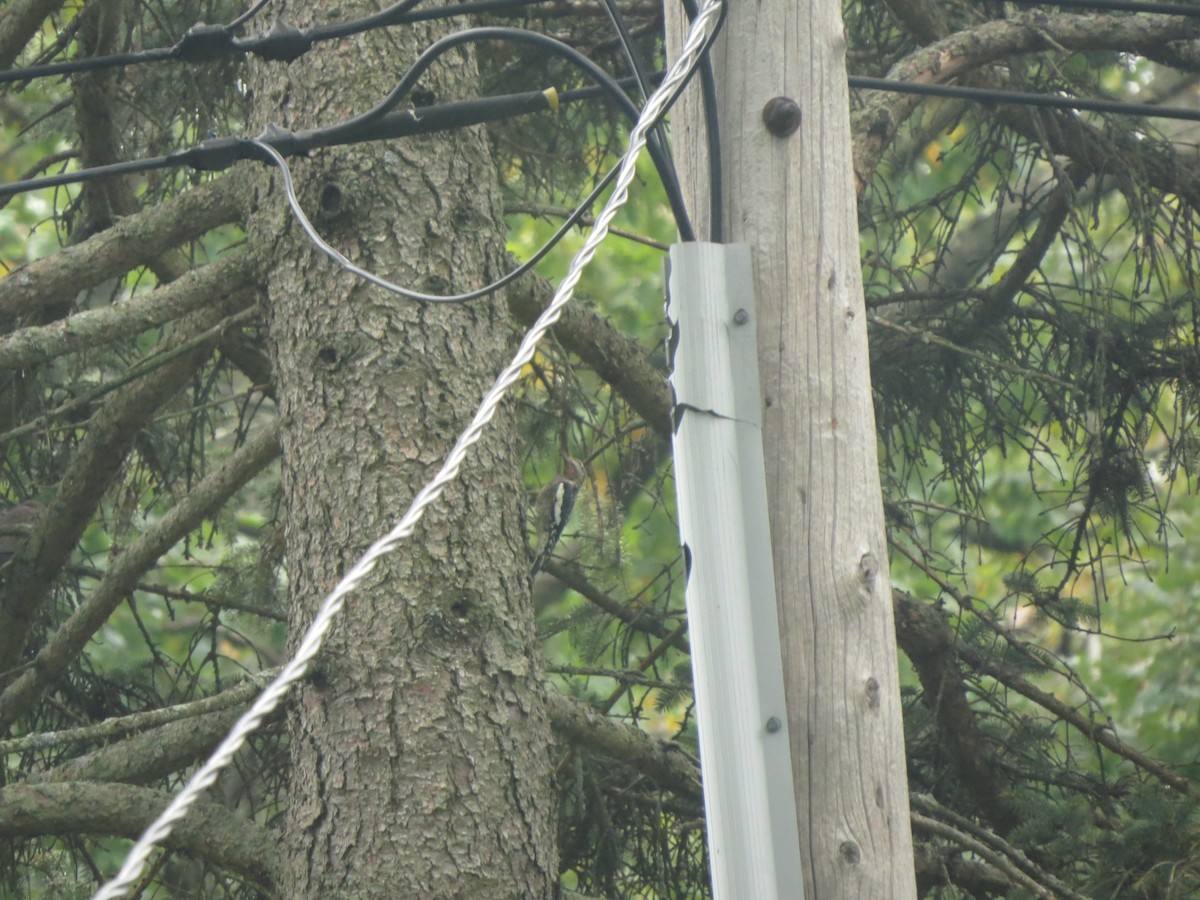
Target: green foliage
[1039,439]
[1031,280]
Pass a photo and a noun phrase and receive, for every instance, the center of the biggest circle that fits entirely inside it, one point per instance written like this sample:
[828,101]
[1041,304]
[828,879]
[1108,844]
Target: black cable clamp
[280,43]
[203,43]
[215,154]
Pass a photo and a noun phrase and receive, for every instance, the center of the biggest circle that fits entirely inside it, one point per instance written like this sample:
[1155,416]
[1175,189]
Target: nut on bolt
[782,116]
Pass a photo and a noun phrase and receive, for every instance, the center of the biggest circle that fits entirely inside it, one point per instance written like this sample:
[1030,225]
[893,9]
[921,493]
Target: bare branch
[140,370]
[94,327]
[1015,875]
[157,753]
[122,577]
[929,805]
[926,639]
[236,697]
[883,113]
[573,578]
[561,212]
[1101,733]
[110,434]
[20,22]
[210,832]
[633,747]
[217,602]
[133,241]
[615,357]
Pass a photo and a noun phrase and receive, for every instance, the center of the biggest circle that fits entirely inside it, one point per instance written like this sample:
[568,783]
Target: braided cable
[293,671]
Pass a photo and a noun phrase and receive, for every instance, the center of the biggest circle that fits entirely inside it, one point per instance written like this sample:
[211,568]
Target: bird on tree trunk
[553,508]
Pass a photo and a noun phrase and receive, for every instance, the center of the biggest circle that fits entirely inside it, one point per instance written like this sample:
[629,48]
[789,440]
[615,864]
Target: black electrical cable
[281,42]
[218,153]
[1137,6]
[238,149]
[221,153]
[337,133]
[393,15]
[214,154]
[274,156]
[658,134]
[247,15]
[28,73]
[199,44]
[285,42]
[712,129]
[466,9]
[628,47]
[1021,98]
[81,176]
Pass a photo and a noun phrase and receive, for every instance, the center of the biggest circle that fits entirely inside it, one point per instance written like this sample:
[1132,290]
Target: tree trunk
[419,744]
[791,199]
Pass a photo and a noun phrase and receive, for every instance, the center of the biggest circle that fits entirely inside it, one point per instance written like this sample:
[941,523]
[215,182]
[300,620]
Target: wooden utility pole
[783,108]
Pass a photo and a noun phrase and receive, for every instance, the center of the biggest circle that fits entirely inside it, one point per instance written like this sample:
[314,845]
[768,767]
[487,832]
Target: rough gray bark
[791,199]
[420,763]
[19,21]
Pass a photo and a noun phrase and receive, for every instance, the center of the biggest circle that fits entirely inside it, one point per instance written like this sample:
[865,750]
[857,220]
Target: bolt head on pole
[782,116]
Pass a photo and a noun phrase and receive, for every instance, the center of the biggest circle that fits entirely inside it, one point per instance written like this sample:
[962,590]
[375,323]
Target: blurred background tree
[1030,287]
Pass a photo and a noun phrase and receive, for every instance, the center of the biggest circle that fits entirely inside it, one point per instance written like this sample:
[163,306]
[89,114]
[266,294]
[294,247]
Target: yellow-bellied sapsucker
[553,509]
